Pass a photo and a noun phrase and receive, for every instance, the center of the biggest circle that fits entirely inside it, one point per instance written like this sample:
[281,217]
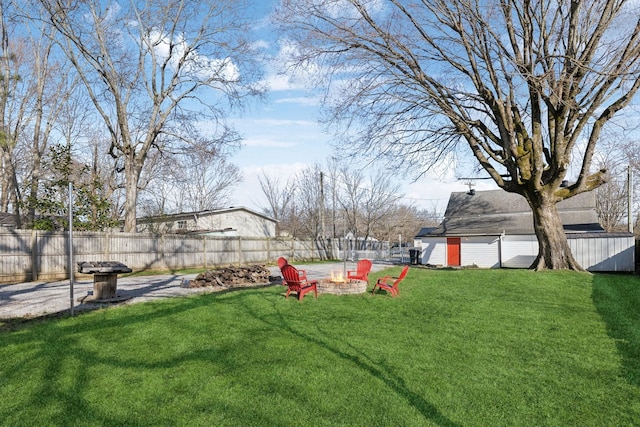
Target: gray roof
[497,211]
[7,220]
[177,216]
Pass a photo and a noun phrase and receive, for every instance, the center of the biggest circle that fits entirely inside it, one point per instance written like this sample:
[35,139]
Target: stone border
[350,287]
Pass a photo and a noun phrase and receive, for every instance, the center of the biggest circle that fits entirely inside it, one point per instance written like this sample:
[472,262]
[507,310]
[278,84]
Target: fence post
[163,245]
[106,248]
[293,250]
[204,251]
[34,255]
[268,250]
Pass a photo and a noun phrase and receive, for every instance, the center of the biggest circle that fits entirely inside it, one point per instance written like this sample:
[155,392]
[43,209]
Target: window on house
[182,225]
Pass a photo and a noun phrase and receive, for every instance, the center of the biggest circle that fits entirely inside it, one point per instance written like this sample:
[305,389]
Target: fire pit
[338,285]
[105,280]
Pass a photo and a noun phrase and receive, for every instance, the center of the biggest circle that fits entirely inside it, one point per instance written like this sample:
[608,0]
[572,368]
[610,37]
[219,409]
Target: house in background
[7,221]
[234,222]
[493,229]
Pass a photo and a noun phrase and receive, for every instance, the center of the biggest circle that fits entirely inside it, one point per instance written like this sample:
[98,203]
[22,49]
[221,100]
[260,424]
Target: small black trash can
[413,256]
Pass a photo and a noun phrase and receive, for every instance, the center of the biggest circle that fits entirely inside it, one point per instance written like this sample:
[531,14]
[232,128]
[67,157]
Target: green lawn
[456,348]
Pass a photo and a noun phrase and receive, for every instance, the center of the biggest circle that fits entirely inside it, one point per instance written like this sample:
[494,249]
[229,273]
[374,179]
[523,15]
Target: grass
[456,348]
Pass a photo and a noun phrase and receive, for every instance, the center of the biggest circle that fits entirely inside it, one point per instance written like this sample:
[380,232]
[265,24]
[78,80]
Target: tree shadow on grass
[52,349]
[54,341]
[360,360]
[617,299]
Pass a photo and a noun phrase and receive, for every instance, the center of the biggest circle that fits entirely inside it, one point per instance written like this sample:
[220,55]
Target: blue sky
[283,136]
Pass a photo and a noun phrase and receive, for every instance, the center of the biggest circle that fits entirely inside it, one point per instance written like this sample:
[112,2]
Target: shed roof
[496,211]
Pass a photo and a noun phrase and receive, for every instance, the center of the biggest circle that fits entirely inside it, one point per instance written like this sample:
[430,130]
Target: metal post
[71,247]
[344,249]
[323,246]
[629,199]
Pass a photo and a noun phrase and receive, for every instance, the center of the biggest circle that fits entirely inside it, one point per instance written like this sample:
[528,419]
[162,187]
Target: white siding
[604,253]
[481,251]
[519,251]
[434,250]
[246,223]
[229,223]
[596,253]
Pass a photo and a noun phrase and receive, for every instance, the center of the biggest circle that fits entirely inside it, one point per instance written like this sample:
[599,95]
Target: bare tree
[367,202]
[279,198]
[633,156]
[404,220]
[612,196]
[53,98]
[611,204]
[306,206]
[351,191]
[521,83]
[207,181]
[333,194]
[379,200]
[12,111]
[156,71]
[34,87]
[162,195]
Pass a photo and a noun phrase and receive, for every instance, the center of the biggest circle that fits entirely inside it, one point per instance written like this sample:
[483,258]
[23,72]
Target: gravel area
[36,299]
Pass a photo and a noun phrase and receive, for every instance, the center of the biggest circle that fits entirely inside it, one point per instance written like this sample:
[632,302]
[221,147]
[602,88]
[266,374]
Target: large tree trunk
[132,177]
[553,249]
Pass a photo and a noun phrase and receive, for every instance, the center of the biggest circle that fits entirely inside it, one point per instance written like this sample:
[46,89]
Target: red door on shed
[453,251]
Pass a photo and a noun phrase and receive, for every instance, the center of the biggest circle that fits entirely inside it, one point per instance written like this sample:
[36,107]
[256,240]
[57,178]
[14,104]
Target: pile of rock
[233,277]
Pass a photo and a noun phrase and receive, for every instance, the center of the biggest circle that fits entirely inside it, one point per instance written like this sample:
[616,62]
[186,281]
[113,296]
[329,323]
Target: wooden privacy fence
[36,255]
[29,255]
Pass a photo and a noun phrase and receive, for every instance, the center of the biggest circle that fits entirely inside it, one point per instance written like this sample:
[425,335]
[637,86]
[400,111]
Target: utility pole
[71,303]
[333,205]
[322,232]
[322,205]
[629,199]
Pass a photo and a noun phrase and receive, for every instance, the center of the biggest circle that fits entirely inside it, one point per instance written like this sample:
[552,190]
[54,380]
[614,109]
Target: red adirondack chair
[282,261]
[386,283]
[363,267]
[296,284]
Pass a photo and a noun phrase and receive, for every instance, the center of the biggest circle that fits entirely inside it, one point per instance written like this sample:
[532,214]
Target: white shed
[493,229]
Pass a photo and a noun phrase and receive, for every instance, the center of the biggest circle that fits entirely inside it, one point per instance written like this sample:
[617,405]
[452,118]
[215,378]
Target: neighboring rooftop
[496,211]
[7,220]
[176,216]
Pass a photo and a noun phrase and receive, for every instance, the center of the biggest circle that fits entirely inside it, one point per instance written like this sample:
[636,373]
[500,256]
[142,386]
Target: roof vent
[471,184]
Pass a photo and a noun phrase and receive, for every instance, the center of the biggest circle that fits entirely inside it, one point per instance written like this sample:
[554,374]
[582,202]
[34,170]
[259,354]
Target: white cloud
[280,82]
[174,52]
[300,100]
[285,122]
[261,44]
[265,142]
[284,73]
